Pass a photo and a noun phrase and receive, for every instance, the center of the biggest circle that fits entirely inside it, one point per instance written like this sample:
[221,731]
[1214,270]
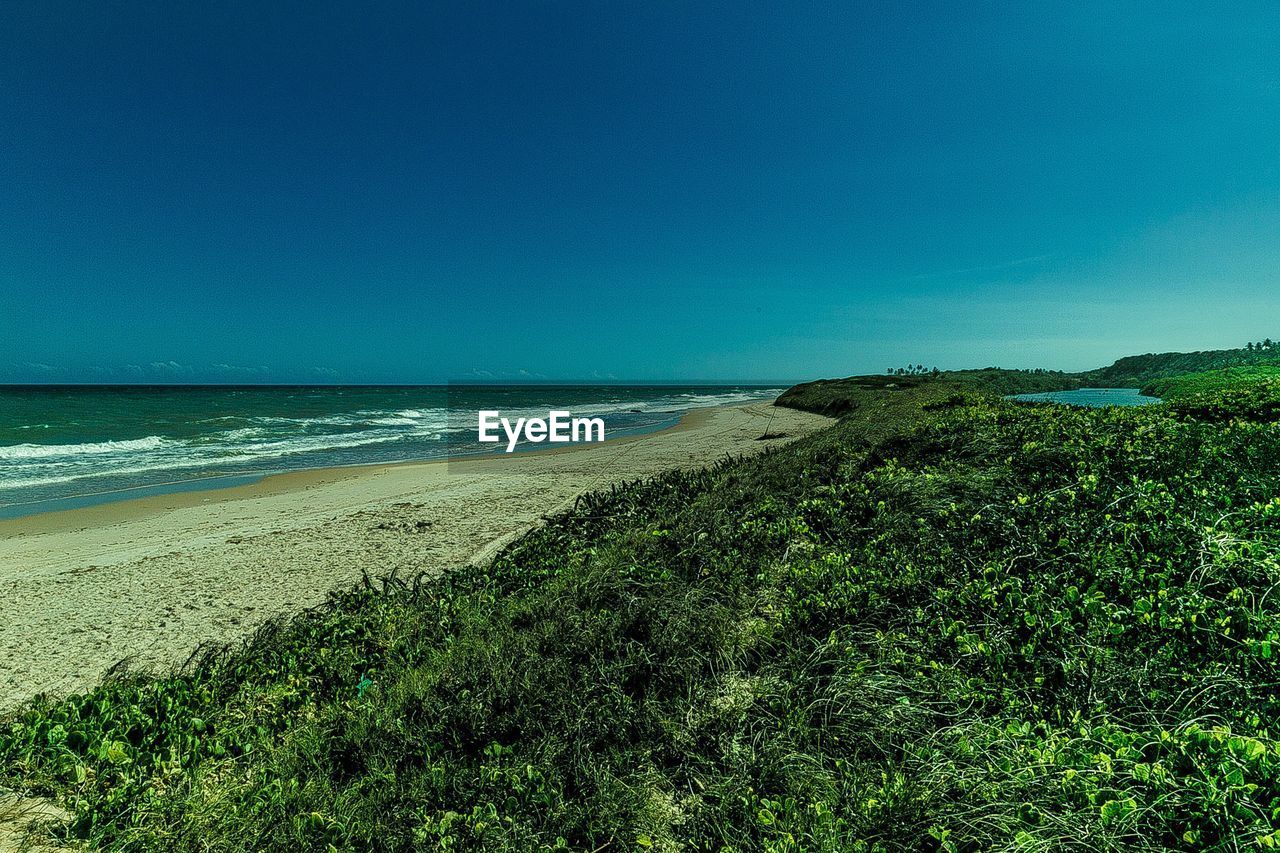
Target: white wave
[178,456]
[665,404]
[268,438]
[97,448]
[234,435]
[381,417]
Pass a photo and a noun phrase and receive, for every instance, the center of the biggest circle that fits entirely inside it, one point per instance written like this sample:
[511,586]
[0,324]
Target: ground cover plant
[1248,378]
[948,622]
[1136,370]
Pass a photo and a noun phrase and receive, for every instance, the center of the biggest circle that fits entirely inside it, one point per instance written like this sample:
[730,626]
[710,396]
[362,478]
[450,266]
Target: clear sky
[418,192]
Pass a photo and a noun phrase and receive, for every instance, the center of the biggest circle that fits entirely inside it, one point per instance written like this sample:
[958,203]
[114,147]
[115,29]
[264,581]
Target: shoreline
[212,483]
[275,482]
[153,577]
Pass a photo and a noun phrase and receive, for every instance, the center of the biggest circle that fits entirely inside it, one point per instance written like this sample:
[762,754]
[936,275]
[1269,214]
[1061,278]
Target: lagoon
[1091,397]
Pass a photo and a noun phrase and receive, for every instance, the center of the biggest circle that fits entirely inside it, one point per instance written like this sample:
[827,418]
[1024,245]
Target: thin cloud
[1007,265]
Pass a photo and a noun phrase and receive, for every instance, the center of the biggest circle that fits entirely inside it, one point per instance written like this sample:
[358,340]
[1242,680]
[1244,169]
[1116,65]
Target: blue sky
[419,192]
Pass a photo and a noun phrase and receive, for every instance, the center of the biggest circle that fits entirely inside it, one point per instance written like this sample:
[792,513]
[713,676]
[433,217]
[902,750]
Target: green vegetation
[1139,370]
[1004,382]
[1210,382]
[948,622]
[836,397]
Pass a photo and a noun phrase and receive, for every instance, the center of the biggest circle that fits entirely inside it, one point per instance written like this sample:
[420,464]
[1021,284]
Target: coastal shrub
[946,622]
[1228,379]
[1135,371]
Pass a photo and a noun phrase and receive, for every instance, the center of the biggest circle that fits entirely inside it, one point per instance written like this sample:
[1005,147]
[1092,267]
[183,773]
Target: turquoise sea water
[1091,397]
[68,446]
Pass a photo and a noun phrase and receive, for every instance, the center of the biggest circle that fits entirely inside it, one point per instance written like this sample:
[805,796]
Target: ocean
[68,446]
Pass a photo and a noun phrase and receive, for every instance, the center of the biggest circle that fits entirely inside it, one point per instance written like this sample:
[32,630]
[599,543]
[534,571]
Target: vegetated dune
[949,621]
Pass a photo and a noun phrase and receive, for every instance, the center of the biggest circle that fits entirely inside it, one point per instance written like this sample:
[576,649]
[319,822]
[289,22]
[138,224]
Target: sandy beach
[151,579]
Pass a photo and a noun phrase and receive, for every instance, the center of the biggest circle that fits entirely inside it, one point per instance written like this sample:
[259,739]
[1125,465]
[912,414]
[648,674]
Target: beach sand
[151,579]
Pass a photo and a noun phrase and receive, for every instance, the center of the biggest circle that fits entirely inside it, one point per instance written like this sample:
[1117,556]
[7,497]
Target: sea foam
[96,448]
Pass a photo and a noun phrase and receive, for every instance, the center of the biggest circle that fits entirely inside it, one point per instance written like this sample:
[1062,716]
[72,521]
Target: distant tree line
[921,370]
[914,370]
[1265,345]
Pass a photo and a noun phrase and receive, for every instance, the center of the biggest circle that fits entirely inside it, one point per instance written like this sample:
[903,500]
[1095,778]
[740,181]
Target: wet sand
[151,579]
